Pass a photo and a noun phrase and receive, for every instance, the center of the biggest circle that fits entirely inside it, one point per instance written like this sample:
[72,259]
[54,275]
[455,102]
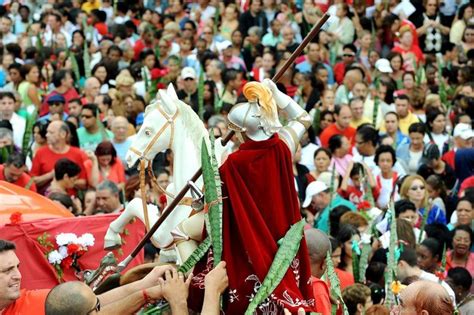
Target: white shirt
[19,125]
[431,277]
[307,155]
[9,38]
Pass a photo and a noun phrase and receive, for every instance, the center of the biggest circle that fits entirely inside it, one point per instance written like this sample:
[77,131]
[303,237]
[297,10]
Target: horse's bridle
[169,122]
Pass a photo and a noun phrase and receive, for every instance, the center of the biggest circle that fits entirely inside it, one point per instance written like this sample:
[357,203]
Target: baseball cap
[312,189]
[463,131]
[383,65]
[56,98]
[188,73]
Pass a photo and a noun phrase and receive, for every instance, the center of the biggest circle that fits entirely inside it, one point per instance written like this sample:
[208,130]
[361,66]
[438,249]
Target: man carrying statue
[260,205]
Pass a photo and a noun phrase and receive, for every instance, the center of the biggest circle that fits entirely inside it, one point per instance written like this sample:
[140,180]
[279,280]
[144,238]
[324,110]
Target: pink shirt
[341,163]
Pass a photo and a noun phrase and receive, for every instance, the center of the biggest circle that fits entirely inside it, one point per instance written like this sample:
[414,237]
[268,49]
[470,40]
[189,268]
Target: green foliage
[391,259]
[28,135]
[364,261]
[213,197]
[75,69]
[198,253]
[317,120]
[335,289]
[201,94]
[283,258]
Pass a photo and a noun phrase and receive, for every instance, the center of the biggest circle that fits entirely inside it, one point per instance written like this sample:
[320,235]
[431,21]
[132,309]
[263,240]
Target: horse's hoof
[112,240]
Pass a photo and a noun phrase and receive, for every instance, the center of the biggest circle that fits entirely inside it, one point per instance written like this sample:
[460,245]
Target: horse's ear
[172,92]
[167,102]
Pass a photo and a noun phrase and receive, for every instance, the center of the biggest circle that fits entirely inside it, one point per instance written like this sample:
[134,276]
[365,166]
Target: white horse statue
[169,124]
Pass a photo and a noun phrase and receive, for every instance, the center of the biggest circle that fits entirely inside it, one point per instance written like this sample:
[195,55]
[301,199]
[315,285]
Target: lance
[123,264]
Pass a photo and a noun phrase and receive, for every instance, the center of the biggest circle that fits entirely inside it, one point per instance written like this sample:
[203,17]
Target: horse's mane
[195,128]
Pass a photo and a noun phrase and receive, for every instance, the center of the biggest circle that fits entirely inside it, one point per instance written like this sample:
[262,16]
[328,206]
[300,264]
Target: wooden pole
[224,141]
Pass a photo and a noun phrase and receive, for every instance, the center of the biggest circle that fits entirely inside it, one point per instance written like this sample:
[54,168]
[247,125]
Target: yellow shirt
[356,123]
[88,7]
[404,123]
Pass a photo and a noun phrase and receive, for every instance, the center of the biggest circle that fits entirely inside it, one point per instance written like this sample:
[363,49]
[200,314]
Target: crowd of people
[388,84]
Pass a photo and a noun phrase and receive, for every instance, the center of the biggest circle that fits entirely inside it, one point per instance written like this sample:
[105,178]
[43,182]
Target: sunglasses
[189,79]
[348,55]
[86,116]
[414,188]
[96,307]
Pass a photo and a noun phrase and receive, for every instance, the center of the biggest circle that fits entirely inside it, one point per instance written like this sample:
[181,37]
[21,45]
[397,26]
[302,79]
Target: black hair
[65,200]
[6,245]
[16,159]
[418,127]
[408,255]
[433,245]
[377,292]
[375,271]
[335,142]
[7,95]
[65,166]
[15,65]
[368,134]
[338,107]
[58,76]
[357,168]
[431,116]
[403,205]
[465,228]
[43,127]
[346,232]
[322,150]
[351,47]
[385,149]
[334,217]
[403,97]
[460,277]
[115,48]
[462,9]
[229,75]
[92,107]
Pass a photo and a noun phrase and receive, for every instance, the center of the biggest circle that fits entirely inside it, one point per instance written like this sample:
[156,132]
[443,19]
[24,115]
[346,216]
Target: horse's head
[158,129]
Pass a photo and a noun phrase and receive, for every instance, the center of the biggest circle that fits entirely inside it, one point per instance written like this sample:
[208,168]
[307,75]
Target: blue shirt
[322,222]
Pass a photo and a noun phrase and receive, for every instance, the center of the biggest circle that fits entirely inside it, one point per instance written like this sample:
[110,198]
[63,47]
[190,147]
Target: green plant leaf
[283,258]
[196,256]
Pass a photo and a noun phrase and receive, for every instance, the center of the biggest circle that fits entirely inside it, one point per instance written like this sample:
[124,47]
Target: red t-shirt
[332,130]
[116,173]
[339,72]
[30,302]
[448,157]
[22,181]
[321,296]
[45,158]
[69,95]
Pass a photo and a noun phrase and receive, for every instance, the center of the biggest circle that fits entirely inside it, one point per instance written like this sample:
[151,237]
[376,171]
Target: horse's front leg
[112,239]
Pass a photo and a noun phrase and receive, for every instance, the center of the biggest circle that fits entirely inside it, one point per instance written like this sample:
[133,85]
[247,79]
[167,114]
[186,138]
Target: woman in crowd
[385,159]
[461,255]
[463,215]
[341,32]
[339,147]
[100,72]
[349,237]
[437,191]
[457,29]
[322,161]
[103,164]
[28,89]
[396,63]
[345,278]
[467,43]
[429,254]
[39,135]
[410,52]
[230,21]
[410,154]
[436,125]
[414,190]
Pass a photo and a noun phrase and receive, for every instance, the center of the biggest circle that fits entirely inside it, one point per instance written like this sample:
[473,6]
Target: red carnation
[160,86]
[66,263]
[15,218]
[363,205]
[157,73]
[440,274]
[72,249]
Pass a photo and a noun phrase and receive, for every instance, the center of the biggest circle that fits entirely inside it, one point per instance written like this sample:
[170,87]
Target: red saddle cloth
[260,205]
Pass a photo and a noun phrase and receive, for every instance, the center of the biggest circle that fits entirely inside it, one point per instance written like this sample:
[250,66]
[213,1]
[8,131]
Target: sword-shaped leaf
[283,258]
[376,103]
[201,93]
[213,198]
[331,193]
[335,288]
[423,222]
[75,69]
[355,260]
[391,259]
[364,260]
[87,60]
[27,136]
[196,256]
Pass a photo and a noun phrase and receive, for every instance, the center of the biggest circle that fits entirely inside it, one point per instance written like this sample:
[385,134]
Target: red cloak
[260,205]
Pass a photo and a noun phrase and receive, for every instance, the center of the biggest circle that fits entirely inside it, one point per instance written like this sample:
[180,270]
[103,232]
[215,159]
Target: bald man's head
[427,298]
[72,297]
[318,245]
[92,87]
